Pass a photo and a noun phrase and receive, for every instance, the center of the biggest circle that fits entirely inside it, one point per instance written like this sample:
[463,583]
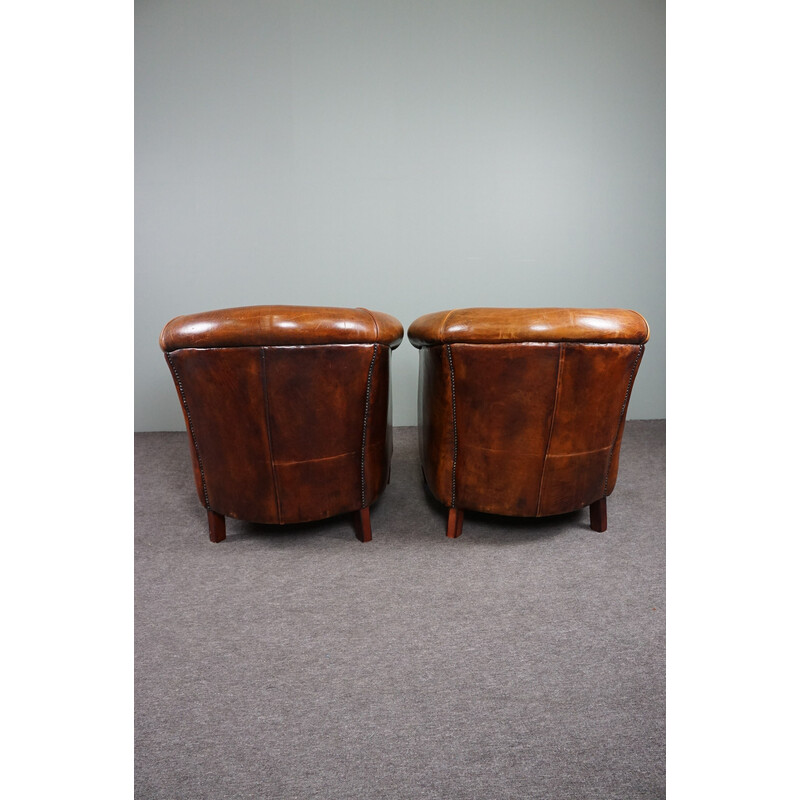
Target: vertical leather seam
[561,356]
[265,389]
[364,431]
[374,321]
[179,384]
[455,425]
[444,322]
[621,418]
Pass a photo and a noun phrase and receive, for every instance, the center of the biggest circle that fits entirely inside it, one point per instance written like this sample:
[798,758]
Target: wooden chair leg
[362,525]
[597,515]
[216,526]
[455,521]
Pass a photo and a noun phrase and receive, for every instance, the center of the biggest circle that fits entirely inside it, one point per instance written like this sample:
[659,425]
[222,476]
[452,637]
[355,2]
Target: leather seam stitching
[455,425]
[444,322]
[265,389]
[528,453]
[374,321]
[579,453]
[291,463]
[191,428]
[561,356]
[364,431]
[621,417]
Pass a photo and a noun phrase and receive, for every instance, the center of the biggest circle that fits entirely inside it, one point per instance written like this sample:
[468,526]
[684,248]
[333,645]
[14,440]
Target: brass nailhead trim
[562,354]
[191,426]
[621,417]
[364,432]
[455,427]
[265,390]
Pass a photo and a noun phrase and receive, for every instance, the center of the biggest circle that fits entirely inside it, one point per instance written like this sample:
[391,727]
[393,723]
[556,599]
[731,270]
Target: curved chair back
[521,411]
[288,410]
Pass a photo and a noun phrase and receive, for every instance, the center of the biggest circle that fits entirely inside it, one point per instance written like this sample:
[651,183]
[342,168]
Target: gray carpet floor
[522,660]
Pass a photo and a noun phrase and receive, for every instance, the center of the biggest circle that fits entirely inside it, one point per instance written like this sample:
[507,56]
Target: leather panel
[435,422]
[594,382]
[504,407]
[378,442]
[198,478]
[498,482]
[224,397]
[613,469]
[319,488]
[316,400]
[572,481]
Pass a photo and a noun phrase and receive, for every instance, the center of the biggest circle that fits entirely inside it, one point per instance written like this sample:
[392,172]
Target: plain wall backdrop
[403,156]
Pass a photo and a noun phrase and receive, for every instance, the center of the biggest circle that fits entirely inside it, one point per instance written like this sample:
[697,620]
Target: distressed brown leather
[499,325]
[287,408]
[521,411]
[281,325]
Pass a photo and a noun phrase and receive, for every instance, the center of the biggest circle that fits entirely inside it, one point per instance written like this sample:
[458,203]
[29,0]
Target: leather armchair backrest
[287,408]
[521,411]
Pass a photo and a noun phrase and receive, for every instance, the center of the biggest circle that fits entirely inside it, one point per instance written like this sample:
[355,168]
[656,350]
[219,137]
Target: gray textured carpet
[523,660]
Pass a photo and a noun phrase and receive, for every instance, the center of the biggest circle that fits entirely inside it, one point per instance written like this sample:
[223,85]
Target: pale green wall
[403,156]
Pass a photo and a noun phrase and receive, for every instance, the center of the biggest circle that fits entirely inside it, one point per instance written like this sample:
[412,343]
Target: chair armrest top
[498,325]
[251,326]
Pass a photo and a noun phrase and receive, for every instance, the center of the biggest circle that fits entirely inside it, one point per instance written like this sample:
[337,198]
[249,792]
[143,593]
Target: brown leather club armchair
[521,410]
[288,410]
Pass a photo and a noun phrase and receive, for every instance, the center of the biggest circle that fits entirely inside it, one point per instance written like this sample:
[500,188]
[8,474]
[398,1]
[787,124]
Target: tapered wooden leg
[362,525]
[597,515]
[216,526]
[455,521]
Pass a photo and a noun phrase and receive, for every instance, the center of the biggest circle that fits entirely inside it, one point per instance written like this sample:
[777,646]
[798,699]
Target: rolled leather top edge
[496,325]
[250,326]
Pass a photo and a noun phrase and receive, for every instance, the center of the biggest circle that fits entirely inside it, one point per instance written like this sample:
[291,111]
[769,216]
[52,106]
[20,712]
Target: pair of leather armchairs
[288,409]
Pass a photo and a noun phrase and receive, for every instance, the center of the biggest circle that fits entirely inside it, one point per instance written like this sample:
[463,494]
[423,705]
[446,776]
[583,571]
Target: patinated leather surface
[525,428]
[281,325]
[285,433]
[503,325]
